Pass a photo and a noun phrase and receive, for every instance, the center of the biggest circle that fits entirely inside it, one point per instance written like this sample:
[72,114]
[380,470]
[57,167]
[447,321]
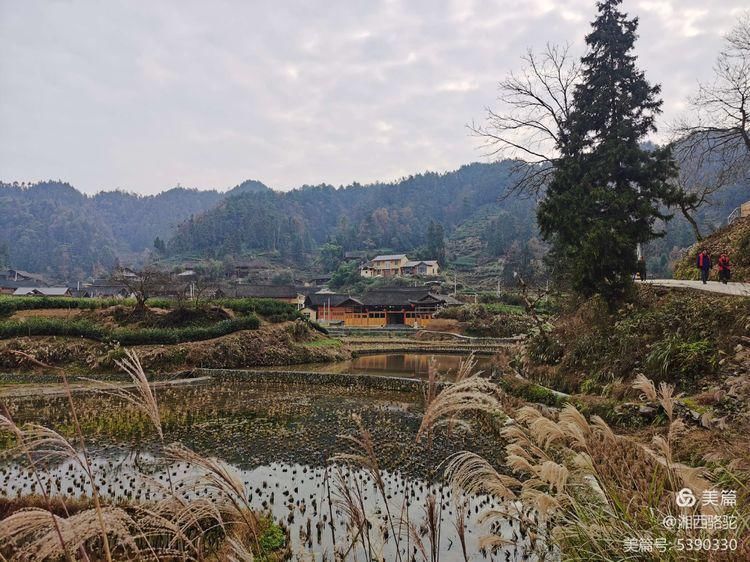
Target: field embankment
[697,342]
[88,335]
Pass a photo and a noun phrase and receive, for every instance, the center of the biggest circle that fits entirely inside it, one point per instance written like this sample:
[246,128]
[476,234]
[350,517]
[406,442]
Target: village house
[104,290]
[408,306]
[43,292]
[398,265]
[244,268]
[20,276]
[284,293]
[8,287]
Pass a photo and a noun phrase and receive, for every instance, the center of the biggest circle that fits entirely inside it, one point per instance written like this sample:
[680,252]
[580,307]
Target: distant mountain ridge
[393,215]
[51,227]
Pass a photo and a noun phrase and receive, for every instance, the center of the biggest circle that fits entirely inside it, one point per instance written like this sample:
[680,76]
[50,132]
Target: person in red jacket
[725,268]
[704,264]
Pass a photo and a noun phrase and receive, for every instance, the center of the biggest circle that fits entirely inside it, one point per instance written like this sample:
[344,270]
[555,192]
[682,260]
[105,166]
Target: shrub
[51,327]
[675,357]
[9,305]
[544,349]
[274,310]
[273,538]
[125,336]
[144,336]
[514,299]
[489,320]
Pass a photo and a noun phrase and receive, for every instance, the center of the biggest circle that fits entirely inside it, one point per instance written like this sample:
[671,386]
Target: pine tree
[436,242]
[607,190]
[160,246]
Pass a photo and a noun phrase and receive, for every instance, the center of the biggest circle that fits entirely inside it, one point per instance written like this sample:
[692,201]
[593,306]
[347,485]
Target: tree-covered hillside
[394,215]
[52,228]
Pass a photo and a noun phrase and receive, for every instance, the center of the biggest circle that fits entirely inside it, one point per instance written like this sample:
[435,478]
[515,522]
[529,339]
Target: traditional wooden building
[409,306]
[19,276]
[333,308]
[104,289]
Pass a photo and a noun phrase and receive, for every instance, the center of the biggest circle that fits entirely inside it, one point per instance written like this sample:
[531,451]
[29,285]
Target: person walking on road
[704,264]
[641,268]
[725,269]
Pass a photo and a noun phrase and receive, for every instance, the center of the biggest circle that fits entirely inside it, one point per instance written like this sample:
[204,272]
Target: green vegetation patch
[125,336]
[495,320]
[671,336]
[327,342]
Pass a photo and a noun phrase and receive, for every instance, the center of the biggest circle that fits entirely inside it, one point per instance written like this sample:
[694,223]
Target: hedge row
[262,307]
[125,336]
[9,305]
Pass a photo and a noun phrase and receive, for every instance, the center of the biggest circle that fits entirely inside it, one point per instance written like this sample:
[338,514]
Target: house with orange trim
[398,265]
[404,306]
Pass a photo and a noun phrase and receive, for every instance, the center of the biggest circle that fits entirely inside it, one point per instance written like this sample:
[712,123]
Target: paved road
[712,286]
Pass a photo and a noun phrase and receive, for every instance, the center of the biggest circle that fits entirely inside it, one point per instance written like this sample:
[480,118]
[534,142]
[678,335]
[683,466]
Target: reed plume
[470,395]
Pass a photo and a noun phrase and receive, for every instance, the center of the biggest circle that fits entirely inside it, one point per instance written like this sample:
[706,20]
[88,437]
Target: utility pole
[455,284]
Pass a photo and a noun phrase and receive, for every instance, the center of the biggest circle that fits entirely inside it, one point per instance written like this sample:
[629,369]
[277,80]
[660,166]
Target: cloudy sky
[143,95]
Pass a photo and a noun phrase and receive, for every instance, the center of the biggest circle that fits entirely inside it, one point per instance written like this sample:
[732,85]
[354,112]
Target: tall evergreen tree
[607,190]
[436,242]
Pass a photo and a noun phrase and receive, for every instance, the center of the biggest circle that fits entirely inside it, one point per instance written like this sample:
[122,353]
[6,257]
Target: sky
[144,95]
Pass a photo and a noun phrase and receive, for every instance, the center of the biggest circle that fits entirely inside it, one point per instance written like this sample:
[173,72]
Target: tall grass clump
[413,537]
[589,492]
[180,526]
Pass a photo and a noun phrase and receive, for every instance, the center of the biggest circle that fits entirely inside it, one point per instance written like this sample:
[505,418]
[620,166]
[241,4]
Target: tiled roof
[389,257]
[45,291]
[264,291]
[330,299]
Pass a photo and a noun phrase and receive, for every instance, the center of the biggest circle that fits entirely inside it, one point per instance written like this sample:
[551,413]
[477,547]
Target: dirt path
[739,289]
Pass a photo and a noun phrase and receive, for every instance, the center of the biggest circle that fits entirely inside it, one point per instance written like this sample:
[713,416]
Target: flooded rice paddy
[396,364]
[279,437]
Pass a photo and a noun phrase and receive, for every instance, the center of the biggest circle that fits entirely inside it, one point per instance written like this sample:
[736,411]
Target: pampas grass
[585,488]
[472,395]
[173,528]
[363,455]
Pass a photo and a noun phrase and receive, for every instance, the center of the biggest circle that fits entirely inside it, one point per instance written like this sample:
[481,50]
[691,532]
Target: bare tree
[702,174]
[718,131]
[530,126]
[739,37]
[142,284]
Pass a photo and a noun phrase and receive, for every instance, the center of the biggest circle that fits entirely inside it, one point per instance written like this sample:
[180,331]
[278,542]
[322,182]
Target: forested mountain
[396,215]
[52,228]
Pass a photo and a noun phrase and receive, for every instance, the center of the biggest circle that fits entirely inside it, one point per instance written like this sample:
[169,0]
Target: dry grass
[173,528]
[469,394]
[587,490]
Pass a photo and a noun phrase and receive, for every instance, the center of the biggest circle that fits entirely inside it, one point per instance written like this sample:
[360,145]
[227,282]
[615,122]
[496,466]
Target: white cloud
[145,95]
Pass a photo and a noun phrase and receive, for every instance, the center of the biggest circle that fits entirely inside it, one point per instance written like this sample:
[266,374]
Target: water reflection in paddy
[295,495]
[396,364]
